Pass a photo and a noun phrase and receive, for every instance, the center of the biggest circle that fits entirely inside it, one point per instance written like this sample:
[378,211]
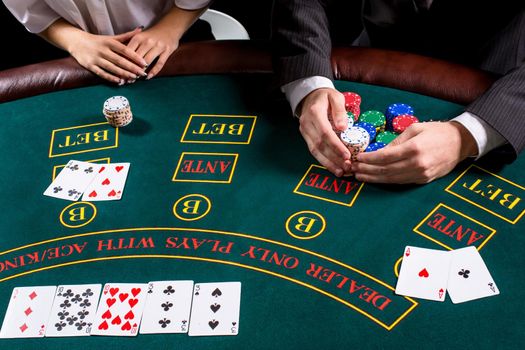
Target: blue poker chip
[396,109]
[370,129]
[374,146]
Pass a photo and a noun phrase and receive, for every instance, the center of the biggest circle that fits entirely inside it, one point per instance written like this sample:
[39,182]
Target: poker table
[222,188]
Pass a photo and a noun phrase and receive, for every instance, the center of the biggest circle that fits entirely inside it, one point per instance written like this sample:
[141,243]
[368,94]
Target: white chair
[224,27]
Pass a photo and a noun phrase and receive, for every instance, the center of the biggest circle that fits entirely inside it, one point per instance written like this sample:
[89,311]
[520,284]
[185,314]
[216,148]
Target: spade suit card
[109,183]
[424,273]
[167,309]
[120,309]
[469,277]
[215,309]
[72,180]
[28,312]
[73,310]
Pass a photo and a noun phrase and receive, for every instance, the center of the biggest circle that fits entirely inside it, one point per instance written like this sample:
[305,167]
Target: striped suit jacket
[484,34]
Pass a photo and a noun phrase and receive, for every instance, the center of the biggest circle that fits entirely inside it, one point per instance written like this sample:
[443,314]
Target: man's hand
[421,154]
[317,130]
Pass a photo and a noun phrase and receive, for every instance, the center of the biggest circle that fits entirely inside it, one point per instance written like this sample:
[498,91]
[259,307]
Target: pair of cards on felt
[97,182]
[429,273]
[156,307]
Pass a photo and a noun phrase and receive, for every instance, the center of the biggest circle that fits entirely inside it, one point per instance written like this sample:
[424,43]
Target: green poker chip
[376,118]
[386,137]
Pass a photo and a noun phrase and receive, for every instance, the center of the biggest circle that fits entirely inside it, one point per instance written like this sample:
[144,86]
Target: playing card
[73,310]
[73,180]
[215,309]
[469,277]
[28,311]
[424,273]
[167,309]
[120,309]
[109,183]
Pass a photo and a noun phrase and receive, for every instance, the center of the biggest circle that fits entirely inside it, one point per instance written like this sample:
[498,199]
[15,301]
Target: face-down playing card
[215,309]
[73,310]
[120,309]
[167,309]
[424,273]
[469,277]
[28,312]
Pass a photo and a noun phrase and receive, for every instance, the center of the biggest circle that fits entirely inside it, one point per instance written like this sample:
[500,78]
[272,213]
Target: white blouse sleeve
[191,4]
[35,15]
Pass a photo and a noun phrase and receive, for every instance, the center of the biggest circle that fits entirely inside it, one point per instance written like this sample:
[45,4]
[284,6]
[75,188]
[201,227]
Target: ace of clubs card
[469,277]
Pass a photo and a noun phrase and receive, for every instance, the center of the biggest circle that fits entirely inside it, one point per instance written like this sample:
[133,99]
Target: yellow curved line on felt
[206,231]
[382,324]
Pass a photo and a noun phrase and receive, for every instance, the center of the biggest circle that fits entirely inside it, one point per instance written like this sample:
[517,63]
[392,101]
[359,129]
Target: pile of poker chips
[117,111]
[380,129]
[397,109]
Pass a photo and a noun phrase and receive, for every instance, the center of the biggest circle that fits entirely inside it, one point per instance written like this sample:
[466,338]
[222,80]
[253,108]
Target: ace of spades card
[215,309]
[424,273]
[73,310]
[167,309]
[120,309]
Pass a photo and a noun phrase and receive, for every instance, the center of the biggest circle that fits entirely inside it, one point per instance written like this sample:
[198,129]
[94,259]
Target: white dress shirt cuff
[298,89]
[485,136]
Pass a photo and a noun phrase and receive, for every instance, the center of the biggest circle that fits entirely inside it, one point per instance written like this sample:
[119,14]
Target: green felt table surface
[256,229]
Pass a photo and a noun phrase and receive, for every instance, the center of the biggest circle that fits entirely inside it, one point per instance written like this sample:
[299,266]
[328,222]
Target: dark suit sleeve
[301,40]
[503,105]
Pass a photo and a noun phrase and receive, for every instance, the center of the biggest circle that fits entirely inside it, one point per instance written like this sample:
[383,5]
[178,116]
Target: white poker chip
[116,103]
[350,119]
[117,111]
[356,136]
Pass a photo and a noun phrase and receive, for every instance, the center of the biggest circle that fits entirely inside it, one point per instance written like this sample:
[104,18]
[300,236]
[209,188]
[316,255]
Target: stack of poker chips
[356,139]
[381,128]
[384,128]
[397,109]
[352,103]
[117,111]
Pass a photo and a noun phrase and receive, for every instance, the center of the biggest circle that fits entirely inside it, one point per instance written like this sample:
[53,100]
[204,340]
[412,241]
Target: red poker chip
[402,122]
[355,110]
[351,97]
[352,101]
